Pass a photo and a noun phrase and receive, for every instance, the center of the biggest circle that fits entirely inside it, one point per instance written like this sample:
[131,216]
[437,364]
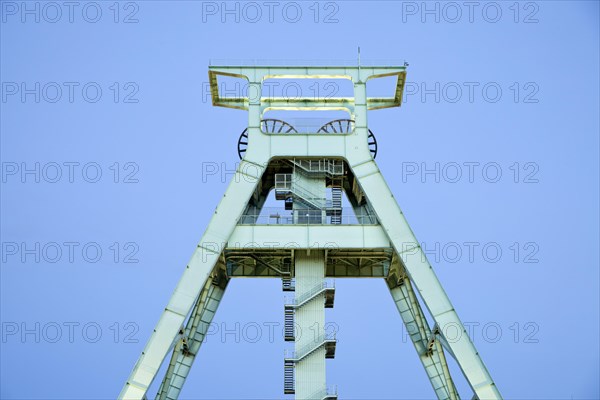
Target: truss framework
[235,245]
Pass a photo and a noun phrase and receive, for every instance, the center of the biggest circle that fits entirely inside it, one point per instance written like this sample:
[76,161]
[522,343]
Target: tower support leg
[421,273]
[186,349]
[416,325]
[222,224]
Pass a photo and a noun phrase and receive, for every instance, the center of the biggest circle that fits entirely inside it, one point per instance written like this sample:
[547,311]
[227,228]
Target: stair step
[288,378]
[336,203]
[289,325]
[287,284]
[297,356]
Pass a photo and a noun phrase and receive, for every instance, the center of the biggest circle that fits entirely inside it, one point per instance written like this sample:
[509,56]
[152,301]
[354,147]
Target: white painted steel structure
[319,239]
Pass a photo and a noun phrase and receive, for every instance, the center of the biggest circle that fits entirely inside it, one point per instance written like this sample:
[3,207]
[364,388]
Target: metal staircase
[327,288]
[326,340]
[304,192]
[287,284]
[323,290]
[286,187]
[336,203]
[288,377]
[324,167]
[325,393]
[289,325]
[333,169]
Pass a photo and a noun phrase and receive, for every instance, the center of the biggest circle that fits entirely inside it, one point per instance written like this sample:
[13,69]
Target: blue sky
[107,106]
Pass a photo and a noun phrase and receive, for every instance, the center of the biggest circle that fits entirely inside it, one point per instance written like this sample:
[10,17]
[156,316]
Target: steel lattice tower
[309,172]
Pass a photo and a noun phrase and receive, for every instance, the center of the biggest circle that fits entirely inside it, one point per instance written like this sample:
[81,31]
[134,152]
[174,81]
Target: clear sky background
[74,324]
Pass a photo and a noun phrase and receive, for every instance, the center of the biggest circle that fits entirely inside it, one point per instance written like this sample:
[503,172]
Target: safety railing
[327,63]
[324,393]
[328,166]
[297,355]
[304,297]
[287,182]
[280,216]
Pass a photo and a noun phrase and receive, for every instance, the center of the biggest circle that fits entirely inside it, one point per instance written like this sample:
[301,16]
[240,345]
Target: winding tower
[310,172]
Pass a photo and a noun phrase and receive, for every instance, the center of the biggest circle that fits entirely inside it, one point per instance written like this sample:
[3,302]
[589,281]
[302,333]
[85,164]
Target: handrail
[307,196]
[332,167]
[297,355]
[280,216]
[325,392]
[303,193]
[304,297]
[324,63]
